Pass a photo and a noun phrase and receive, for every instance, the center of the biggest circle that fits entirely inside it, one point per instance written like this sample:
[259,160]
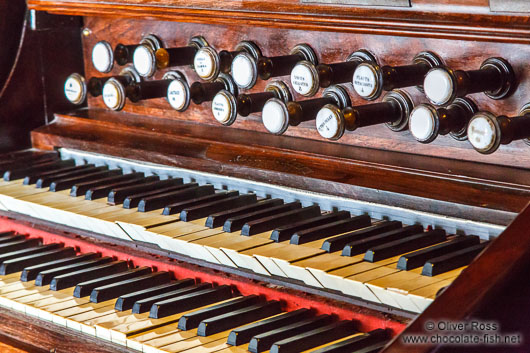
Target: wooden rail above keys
[423,18]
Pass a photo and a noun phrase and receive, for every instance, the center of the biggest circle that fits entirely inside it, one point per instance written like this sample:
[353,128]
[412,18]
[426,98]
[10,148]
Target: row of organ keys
[226,72]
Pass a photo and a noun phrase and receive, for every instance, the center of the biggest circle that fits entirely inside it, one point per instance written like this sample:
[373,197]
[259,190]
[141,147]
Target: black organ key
[114,290]
[12,238]
[218,219]
[160,201]
[132,200]
[85,288]
[286,232]
[81,188]
[32,179]
[418,258]
[67,183]
[453,260]
[11,156]
[192,320]
[315,338]
[45,180]
[73,278]
[126,301]
[336,243]
[144,305]
[30,273]
[370,237]
[238,317]
[25,155]
[22,172]
[201,211]
[100,192]
[18,264]
[243,335]
[118,195]
[24,162]
[35,249]
[190,301]
[46,276]
[269,223]
[179,206]
[404,245]
[354,344]
[263,342]
[235,223]
[19,245]
[326,230]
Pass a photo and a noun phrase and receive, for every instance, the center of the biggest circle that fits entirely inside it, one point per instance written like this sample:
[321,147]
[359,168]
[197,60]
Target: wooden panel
[443,19]
[33,89]
[11,25]
[396,3]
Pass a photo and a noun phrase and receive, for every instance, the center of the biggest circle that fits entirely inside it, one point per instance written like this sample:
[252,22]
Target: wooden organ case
[406,111]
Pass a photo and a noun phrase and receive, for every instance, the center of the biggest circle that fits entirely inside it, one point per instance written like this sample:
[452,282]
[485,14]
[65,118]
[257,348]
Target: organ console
[134,222]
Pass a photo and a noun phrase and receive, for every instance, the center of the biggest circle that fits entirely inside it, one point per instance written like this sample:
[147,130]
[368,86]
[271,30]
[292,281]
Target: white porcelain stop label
[221,108]
[177,94]
[102,56]
[327,123]
[302,79]
[111,95]
[243,71]
[74,89]
[204,63]
[481,133]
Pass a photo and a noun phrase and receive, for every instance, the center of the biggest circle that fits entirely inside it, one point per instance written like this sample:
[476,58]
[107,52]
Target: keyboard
[151,311]
[379,260]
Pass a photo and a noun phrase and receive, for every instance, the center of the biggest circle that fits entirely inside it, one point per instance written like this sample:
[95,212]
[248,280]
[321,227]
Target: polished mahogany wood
[424,18]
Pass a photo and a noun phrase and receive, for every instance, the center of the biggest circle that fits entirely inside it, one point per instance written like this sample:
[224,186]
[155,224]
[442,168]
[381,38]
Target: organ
[209,177]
